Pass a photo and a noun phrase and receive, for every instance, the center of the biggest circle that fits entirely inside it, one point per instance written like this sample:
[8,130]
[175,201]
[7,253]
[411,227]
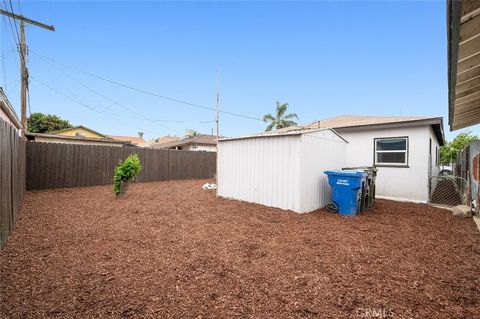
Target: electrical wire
[173,121]
[139,116]
[15,23]
[3,57]
[116,102]
[82,103]
[145,91]
[16,38]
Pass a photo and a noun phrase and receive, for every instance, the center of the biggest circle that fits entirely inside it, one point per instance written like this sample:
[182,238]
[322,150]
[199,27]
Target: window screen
[391,151]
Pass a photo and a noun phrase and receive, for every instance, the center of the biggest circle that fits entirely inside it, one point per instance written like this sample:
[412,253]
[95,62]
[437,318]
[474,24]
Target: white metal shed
[283,169]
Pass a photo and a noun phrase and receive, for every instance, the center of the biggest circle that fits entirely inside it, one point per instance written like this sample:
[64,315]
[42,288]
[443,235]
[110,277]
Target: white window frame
[376,163]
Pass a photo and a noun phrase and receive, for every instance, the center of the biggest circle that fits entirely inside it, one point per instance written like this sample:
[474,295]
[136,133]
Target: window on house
[391,151]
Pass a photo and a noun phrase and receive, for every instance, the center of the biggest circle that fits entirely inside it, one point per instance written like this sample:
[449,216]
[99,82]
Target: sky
[322,58]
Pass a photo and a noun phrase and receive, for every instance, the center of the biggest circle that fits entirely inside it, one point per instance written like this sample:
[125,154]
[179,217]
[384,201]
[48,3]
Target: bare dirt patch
[173,250]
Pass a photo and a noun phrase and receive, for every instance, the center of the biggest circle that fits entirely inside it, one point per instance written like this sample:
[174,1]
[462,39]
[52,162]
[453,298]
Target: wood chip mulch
[174,250]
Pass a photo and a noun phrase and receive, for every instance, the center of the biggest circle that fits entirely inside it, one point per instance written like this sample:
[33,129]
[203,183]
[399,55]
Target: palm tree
[280,120]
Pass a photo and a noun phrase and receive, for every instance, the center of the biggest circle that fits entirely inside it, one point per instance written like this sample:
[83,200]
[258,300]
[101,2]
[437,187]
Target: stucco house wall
[410,182]
[79,130]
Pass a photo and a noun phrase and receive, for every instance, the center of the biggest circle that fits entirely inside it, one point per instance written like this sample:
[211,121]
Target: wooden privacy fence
[12,178]
[52,165]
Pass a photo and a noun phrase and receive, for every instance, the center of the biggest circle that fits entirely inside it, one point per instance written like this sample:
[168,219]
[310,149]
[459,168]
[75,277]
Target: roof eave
[454,9]
[76,138]
[9,110]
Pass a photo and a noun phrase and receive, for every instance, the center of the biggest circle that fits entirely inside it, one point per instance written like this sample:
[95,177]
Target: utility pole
[218,105]
[217,121]
[22,49]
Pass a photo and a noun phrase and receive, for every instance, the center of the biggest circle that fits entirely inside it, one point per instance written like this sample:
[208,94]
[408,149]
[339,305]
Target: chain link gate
[448,190]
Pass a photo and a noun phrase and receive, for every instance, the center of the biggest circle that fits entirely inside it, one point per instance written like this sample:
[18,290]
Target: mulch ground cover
[174,250]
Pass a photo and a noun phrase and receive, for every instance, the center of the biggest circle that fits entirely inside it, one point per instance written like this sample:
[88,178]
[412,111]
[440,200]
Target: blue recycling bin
[347,189]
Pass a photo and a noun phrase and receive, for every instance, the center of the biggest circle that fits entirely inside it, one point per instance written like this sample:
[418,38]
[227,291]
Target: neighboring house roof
[198,140]
[8,109]
[463,27]
[132,139]
[357,121]
[160,140]
[78,127]
[343,121]
[32,136]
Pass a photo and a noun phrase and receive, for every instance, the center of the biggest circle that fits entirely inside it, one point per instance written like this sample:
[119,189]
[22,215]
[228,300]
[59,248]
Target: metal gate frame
[445,196]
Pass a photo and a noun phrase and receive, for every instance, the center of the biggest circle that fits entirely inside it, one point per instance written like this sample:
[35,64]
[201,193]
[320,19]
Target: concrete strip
[449,208]
[476,219]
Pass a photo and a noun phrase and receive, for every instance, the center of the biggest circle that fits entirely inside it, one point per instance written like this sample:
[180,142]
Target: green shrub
[125,171]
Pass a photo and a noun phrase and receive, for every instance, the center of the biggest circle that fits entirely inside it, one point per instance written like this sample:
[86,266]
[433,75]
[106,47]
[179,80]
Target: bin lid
[348,173]
[364,168]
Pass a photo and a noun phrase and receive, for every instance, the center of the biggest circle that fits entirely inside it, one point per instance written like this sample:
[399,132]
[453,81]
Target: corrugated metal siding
[321,151]
[260,170]
[283,171]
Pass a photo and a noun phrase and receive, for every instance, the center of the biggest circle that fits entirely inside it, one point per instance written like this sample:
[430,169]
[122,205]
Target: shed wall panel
[260,170]
[285,171]
[321,151]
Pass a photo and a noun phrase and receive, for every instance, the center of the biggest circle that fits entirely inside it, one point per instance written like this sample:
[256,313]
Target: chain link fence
[448,190]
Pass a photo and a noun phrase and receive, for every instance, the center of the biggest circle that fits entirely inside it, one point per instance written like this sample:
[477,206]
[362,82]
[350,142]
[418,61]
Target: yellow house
[77,135]
[79,131]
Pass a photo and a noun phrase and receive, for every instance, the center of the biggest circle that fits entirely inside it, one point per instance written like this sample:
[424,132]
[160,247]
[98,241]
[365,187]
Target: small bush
[125,171]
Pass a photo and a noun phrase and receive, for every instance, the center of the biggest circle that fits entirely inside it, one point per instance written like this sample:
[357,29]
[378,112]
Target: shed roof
[292,130]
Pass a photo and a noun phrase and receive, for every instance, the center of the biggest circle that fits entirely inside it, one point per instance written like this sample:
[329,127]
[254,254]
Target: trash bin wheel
[332,207]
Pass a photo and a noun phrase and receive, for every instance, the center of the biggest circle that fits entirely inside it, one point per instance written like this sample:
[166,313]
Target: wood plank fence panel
[12,178]
[70,165]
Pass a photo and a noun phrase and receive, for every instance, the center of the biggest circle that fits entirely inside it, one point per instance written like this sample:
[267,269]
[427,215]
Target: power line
[3,57]
[23,57]
[146,91]
[14,22]
[173,121]
[114,101]
[82,103]
[16,38]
